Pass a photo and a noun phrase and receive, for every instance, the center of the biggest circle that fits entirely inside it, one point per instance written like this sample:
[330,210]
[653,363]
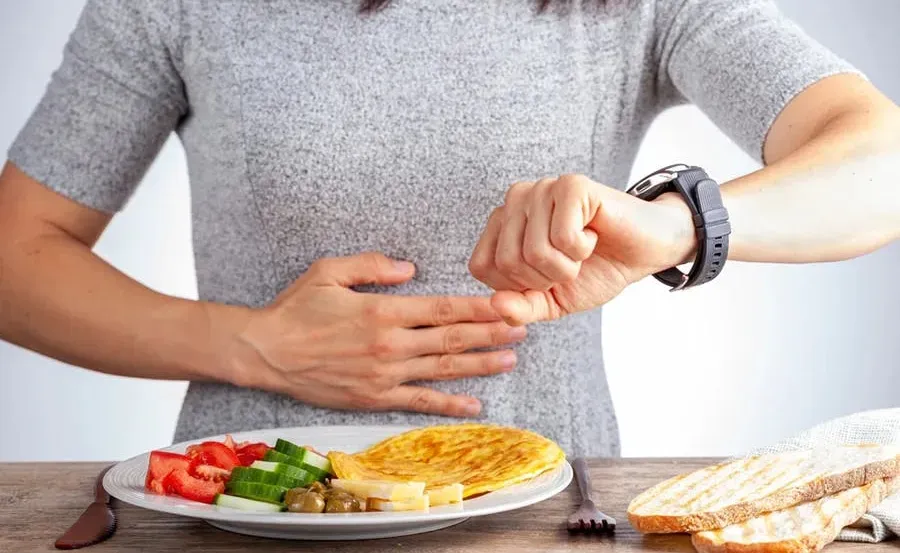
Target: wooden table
[39,501]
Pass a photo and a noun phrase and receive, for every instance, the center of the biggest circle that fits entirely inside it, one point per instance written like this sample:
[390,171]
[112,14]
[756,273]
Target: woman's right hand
[328,345]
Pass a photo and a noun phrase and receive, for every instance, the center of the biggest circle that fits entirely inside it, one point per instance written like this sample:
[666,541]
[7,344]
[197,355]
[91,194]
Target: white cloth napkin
[881,427]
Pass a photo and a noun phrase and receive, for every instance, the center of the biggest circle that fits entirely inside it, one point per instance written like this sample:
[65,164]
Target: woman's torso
[316,132]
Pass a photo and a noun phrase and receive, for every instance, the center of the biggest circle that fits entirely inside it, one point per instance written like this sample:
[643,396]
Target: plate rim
[334,520]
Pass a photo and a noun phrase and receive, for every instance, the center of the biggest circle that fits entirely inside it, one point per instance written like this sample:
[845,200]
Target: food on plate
[304,500]
[806,527]
[201,472]
[180,482]
[446,495]
[248,453]
[243,504]
[413,471]
[306,456]
[738,490]
[341,502]
[296,473]
[320,499]
[160,465]
[391,491]
[274,456]
[416,504]
[481,457]
[251,474]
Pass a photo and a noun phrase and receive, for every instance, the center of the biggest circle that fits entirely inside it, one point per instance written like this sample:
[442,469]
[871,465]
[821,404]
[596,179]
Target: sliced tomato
[181,483]
[160,465]
[248,452]
[208,472]
[229,442]
[215,454]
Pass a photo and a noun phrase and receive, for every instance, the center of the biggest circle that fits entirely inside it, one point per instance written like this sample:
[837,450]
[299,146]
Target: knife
[96,523]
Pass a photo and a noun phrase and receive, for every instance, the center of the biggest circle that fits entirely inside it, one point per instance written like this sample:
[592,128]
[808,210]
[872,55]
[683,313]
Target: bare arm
[60,299]
[829,190]
[319,341]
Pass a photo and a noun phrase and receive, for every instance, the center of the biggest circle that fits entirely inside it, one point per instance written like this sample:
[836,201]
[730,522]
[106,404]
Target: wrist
[682,236]
[228,356]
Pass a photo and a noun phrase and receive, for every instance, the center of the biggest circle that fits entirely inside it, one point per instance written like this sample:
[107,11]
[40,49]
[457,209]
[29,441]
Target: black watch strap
[704,199]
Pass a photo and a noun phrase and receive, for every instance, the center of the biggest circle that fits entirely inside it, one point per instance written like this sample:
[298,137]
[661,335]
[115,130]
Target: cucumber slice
[249,474]
[319,475]
[244,504]
[290,471]
[256,491]
[286,447]
[305,456]
[279,457]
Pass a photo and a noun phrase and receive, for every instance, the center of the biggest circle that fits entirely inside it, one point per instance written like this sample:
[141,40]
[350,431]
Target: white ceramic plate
[125,482]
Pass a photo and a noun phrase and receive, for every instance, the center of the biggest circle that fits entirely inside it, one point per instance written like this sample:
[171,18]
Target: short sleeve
[109,106]
[741,63]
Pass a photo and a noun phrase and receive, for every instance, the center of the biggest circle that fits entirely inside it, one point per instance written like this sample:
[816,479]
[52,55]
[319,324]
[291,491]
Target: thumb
[356,270]
[522,308]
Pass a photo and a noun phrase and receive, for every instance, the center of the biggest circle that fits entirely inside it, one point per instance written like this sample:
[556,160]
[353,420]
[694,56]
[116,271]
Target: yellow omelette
[481,457]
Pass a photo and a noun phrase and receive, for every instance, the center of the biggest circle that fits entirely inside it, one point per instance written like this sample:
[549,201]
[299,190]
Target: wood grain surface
[38,502]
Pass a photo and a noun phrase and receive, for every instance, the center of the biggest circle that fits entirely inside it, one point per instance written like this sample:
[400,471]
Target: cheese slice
[381,489]
[445,495]
[417,504]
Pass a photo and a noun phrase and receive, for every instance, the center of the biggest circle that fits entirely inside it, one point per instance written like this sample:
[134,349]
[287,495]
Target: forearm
[61,300]
[836,197]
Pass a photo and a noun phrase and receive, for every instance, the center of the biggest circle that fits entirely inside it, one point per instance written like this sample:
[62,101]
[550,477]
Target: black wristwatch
[704,199]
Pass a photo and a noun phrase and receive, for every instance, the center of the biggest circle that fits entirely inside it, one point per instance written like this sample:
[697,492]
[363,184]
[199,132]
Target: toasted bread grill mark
[717,475]
[656,491]
[715,497]
[742,484]
[768,486]
[804,528]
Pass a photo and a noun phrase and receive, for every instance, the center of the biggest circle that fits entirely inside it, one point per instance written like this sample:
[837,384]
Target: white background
[764,352]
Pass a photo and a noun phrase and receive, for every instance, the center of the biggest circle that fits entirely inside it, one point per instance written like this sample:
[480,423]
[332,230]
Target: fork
[588,518]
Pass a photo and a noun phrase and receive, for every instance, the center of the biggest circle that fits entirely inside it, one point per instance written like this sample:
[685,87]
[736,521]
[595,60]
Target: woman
[352,175]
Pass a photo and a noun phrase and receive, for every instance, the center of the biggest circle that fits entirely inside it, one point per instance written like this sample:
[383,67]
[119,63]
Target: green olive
[342,504]
[309,502]
[334,492]
[294,495]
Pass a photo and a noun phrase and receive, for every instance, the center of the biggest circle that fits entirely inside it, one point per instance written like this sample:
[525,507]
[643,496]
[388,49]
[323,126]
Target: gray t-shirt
[313,131]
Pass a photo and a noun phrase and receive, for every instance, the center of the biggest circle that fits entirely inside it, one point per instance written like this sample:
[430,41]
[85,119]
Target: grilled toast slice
[803,528]
[738,490]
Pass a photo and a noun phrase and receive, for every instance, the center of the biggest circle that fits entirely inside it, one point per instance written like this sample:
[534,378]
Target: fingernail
[403,266]
[508,359]
[472,407]
[517,333]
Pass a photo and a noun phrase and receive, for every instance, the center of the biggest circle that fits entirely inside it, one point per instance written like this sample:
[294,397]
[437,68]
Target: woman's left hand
[564,245]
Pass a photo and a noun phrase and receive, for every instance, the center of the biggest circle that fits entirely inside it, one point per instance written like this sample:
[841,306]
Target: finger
[537,250]
[411,312]
[458,338]
[481,264]
[453,366]
[509,259]
[426,400]
[522,308]
[568,232]
[356,270]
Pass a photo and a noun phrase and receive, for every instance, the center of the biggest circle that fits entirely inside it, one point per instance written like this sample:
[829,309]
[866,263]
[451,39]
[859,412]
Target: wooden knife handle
[100,495]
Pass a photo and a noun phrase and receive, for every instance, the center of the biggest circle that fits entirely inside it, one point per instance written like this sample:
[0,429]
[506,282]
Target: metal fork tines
[588,518]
